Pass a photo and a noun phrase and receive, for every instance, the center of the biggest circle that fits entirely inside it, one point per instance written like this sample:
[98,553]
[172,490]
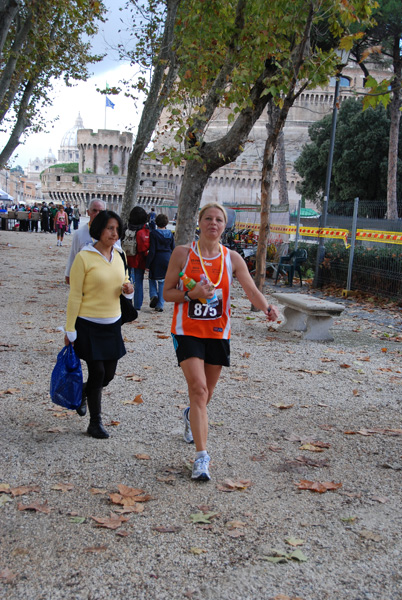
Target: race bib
[204,311]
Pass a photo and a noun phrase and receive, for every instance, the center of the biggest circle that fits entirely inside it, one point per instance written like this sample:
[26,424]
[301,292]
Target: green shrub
[68,167]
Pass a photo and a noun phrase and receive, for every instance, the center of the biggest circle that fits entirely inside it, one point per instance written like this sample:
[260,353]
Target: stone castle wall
[104,153]
[103,158]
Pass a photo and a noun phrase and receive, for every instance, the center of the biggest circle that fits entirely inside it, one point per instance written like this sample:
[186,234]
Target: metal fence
[370,260]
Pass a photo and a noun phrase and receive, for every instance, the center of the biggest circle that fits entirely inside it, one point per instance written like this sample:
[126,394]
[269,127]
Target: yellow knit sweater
[95,287]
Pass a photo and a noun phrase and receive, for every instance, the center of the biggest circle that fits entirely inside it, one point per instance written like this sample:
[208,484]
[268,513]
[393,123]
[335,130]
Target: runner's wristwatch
[186,297]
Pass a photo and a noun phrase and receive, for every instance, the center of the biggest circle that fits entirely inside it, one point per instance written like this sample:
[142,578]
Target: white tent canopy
[4,196]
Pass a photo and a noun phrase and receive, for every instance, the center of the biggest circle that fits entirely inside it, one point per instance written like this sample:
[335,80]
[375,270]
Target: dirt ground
[90,519]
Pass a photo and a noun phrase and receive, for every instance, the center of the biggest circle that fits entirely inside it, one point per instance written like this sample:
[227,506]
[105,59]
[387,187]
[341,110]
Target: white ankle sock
[201,453]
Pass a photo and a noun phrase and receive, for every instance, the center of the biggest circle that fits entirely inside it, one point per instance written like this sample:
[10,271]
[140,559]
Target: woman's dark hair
[138,216]
[100,223]
[161,220]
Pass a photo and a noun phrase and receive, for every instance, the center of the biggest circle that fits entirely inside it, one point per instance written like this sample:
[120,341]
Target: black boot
[95,427]
[82,408]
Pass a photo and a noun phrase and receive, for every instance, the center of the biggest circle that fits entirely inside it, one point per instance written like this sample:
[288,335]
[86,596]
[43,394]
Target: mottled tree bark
[161,85]
[281,165]
[395,115]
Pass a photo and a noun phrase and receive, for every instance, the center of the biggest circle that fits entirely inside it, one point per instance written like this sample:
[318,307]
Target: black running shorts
[211,351]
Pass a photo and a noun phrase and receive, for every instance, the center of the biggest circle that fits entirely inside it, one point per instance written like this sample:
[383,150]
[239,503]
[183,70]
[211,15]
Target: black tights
[100,373]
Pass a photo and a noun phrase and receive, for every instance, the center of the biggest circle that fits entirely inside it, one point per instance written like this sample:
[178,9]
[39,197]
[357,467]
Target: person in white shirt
[81,237]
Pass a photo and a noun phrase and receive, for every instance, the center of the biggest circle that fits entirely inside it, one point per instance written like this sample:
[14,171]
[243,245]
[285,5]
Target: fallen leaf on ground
[161,529]
[318,486]
[311,448]
[4,499]
[285,597]
[281,405]
[275,448]
[235,533]
[98,491]
[163,337]
[230,485]
[95,549]
[77,520]
[112,522]
[35,506]
[235,524]
[142,456]
[4,488]
[344,366]
[197,551]
[202,517]
[137,400]
[62,487]
[370,535]
[135,508]
[294,541]
[381,499]
[278,557]
[313,462]
[166,479]
[24,489]
[133,378]
[7,576]
[258,458]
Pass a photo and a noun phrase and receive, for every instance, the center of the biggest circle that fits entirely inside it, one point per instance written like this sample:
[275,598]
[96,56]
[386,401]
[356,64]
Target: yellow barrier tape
[325,232]
[385,237]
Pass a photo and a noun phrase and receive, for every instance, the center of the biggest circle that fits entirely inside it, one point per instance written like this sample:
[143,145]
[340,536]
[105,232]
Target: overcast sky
[83,96]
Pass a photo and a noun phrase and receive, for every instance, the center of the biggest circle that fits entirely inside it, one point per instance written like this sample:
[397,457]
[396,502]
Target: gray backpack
[129,244]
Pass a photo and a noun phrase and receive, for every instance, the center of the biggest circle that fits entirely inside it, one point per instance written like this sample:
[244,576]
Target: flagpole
[107,87]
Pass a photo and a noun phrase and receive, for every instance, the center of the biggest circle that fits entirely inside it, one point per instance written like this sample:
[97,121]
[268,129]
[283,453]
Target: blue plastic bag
[66,380]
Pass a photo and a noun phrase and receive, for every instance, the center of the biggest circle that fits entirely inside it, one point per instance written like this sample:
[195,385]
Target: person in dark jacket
[160,249]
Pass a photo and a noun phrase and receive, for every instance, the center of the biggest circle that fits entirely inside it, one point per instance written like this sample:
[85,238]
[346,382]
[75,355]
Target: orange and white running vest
[196,317]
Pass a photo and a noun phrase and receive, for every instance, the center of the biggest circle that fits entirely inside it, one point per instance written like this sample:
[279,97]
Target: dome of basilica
[68,151]
[69,139]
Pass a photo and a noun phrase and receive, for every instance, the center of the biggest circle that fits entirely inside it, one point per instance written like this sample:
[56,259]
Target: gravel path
[280,396]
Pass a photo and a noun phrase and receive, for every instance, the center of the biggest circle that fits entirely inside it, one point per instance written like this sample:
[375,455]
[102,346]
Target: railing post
[298,224]
[352,248]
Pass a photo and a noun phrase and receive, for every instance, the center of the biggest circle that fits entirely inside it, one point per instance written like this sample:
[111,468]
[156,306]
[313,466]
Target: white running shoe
[187,435]
[200,469]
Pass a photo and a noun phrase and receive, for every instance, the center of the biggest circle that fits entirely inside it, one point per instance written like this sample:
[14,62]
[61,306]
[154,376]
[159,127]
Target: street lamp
[343,61]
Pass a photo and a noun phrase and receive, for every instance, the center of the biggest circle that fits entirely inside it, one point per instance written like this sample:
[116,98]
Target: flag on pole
[109,103]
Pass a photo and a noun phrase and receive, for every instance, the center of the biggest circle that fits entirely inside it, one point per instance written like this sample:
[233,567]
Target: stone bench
[310,315]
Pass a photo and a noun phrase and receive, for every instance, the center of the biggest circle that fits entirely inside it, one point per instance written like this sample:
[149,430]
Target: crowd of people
[108,260]
[43,217]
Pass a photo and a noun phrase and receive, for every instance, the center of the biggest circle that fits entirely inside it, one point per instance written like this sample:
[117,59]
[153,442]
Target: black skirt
[98,342]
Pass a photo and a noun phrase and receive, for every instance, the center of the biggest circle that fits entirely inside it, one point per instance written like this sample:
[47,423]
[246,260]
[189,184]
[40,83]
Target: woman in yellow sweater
[97,278]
